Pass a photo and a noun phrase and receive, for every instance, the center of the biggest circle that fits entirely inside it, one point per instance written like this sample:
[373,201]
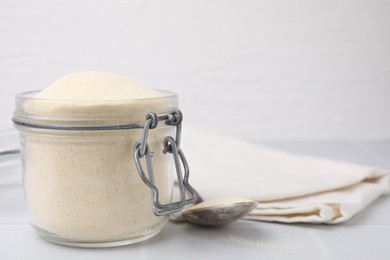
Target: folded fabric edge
[382,180]
[328,207]
[322,213]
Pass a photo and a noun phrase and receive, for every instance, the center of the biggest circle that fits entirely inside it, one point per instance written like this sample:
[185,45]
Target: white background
[259,70]
[277,69]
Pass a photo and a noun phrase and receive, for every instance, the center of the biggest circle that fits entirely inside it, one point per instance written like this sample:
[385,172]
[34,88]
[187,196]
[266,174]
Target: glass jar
[82,165]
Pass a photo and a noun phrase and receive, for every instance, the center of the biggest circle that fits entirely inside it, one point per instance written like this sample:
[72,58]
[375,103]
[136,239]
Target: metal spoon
[218,211]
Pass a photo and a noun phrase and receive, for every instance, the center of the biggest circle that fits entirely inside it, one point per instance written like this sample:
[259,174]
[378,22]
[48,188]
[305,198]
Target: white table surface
[366,236]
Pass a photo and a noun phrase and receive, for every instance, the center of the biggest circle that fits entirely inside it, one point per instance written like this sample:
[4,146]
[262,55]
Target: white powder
[95,85]
[83,185]
[100,95]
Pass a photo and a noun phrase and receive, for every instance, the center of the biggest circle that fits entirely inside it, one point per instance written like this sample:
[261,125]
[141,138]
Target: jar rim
[94,114]
[29,95]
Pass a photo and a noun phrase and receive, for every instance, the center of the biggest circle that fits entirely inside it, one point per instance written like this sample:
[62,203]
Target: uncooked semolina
[83,185]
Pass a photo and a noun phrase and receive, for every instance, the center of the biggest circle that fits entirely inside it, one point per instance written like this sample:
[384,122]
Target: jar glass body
[82,186]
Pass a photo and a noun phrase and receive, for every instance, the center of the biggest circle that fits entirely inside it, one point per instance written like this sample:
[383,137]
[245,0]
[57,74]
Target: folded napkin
[288,188]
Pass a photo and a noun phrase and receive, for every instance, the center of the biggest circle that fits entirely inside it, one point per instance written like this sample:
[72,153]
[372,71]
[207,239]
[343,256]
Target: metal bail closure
[172,146]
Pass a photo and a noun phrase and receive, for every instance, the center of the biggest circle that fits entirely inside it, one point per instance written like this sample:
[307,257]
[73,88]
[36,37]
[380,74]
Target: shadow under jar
[87,166]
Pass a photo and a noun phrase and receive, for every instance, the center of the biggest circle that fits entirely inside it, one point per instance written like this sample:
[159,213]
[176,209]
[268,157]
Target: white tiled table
[366,236]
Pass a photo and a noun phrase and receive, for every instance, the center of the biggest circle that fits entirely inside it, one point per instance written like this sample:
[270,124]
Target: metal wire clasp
[172,146]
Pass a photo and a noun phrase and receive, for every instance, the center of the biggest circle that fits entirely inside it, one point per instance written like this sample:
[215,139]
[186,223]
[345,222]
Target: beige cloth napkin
[288,188]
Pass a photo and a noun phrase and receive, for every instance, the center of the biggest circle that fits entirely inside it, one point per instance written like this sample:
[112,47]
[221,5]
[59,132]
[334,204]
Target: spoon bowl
[218,211]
